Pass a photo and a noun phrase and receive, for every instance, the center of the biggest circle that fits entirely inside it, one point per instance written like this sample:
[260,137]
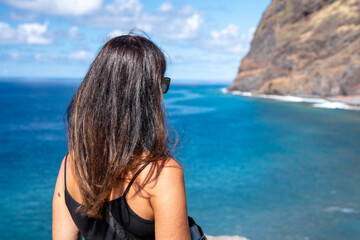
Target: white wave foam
[288,98]
[224,237]
[246,94]
[340,209]
[316,102]
[332,105]
[224,90]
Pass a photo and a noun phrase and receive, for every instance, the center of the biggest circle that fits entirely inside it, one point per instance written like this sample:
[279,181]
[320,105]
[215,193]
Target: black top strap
[127,188]
[134,177]
[65,171]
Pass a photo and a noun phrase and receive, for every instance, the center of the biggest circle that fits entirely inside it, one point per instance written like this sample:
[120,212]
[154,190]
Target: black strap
[134,177]
[65,171]
[127,188]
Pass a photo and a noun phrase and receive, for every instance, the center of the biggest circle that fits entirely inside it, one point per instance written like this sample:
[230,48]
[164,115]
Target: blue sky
[203,40]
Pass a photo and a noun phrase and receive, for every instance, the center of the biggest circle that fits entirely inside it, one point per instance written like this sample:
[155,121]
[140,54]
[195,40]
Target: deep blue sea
[257,168]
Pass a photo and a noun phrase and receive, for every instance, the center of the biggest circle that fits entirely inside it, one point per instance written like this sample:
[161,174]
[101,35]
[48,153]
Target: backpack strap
[195,230]
[115,226]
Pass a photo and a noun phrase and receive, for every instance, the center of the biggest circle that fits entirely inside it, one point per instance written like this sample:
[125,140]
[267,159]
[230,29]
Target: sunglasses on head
[166,84]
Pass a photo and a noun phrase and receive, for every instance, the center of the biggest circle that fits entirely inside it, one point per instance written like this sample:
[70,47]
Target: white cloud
[230,31]
[28,33]
[124,7]
[119,14]
[176,22]
[14,56]
[165,7]
[40,57]
[57,7]
[81,56]
[183,28]
[73,32]
[34,33]
[116,33]
[204,58]
[22,16]
[31,57]
[230,40]
[167,21]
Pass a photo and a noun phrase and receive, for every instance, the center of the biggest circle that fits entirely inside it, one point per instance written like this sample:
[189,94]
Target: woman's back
[163,196]
[115,117]
[118,207]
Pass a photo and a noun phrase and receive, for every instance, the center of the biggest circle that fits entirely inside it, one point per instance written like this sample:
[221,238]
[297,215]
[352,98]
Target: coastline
[339,102]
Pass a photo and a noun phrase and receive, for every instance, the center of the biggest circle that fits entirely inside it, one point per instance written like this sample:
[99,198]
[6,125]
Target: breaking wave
[316,102]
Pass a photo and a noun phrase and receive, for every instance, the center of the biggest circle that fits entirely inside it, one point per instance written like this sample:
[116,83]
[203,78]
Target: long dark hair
[117,115]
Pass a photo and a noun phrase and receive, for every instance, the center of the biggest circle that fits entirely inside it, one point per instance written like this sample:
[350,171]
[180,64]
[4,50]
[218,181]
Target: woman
[119,173]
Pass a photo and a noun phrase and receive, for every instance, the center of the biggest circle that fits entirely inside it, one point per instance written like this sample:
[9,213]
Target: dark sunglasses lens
[165,88]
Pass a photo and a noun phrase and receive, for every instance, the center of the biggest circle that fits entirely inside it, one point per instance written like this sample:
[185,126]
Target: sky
[204,41]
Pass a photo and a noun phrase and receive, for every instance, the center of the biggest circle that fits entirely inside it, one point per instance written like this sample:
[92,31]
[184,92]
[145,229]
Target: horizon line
[74,80]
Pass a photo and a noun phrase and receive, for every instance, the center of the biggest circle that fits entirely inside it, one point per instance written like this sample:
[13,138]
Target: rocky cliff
[304,48]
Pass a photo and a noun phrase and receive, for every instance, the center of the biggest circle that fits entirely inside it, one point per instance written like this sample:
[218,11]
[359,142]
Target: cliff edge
[308,48]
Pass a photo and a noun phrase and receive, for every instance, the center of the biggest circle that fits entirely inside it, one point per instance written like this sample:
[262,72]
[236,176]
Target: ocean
[258,168]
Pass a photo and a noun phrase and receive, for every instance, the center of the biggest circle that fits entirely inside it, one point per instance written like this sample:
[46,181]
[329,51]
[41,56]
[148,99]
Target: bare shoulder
[169,167]
[168,201]
[60,180]
[60,183]
[156,176]
[63,226]
[161,169]
[165,175]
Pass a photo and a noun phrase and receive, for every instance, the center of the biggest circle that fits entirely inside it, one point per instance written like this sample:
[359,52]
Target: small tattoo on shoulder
[59,195]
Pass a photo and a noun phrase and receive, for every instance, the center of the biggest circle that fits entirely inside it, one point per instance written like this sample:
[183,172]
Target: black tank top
[94,228]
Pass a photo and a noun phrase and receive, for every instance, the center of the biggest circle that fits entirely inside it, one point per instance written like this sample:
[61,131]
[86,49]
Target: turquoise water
[256,168]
